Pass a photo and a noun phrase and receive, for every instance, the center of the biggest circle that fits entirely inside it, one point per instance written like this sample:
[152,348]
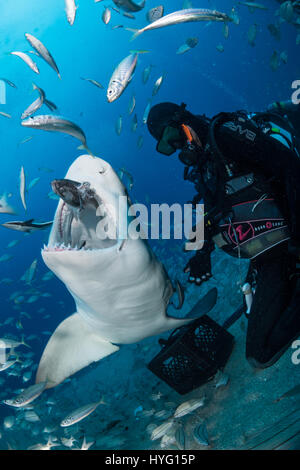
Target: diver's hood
[165,114]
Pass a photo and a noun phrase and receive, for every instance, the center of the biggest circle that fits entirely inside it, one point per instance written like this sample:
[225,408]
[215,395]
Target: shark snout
[68,191]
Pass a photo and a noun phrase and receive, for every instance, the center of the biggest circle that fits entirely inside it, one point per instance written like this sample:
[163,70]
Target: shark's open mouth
[87,226]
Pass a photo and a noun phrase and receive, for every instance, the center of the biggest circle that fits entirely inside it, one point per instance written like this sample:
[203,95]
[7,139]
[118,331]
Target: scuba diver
[246,170]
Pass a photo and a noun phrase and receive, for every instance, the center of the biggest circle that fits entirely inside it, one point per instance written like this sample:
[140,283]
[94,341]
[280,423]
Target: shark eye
[102,171]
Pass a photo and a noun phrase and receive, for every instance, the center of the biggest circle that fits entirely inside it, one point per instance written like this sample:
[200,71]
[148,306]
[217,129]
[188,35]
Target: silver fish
[5,208]
[5,114]
[47,446]
[168,442]
[146,112]
[68,442]
[106,16]
[155,13]
[80,413]
[163,414]
[34,52]
[70,11]
[180,437]
[93,82]
[86,445]
[8,82]
[134,123]
[27,396]
[225,30]
[274,61]
[190,43]
[118,126]
[131,105]
[121,77]
[22,187]
[188,406]
[283,57]
[55,124]
[36,105]
[8,343]
[123,172]
[31,416]
[286,11]
[5,258]
[27,60]
[129,5]
[33,183]
[234,16]
[25,140]
[184,16]
[252,32]
[30,272]
[183,49]
[8,423]
[140,141]
[50,105]
[157,85]
[200,434]
[253,6]
[43,52]
[47,170]
[161,430]
[146,73]
[129,15]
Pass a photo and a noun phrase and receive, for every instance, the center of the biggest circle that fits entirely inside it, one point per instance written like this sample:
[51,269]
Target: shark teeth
[62,247]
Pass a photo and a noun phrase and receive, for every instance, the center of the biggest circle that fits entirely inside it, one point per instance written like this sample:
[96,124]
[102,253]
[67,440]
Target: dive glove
[199,268]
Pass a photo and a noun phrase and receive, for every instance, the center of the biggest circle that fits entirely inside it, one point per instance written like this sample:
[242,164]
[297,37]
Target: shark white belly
[120,288]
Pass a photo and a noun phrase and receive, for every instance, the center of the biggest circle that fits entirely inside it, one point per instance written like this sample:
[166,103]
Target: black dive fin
[26,222]
[204,305]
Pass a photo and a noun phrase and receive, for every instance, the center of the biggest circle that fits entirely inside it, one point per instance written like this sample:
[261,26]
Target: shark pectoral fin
[73,346]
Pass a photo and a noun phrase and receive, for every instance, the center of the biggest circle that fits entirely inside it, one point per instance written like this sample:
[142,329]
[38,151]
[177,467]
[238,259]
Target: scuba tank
[281,121]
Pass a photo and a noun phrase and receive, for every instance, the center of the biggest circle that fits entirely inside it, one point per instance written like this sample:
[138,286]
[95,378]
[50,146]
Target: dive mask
[170,141]
[180,137]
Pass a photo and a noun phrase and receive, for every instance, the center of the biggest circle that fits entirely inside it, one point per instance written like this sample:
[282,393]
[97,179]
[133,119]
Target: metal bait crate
[192,355]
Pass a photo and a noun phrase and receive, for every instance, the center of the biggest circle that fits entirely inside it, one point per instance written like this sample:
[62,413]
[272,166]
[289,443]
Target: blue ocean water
[209,81]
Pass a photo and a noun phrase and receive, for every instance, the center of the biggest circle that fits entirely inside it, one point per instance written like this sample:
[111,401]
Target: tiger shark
[121,290]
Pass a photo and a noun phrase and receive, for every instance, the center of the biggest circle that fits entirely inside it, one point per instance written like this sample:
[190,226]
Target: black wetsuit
[274,320]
